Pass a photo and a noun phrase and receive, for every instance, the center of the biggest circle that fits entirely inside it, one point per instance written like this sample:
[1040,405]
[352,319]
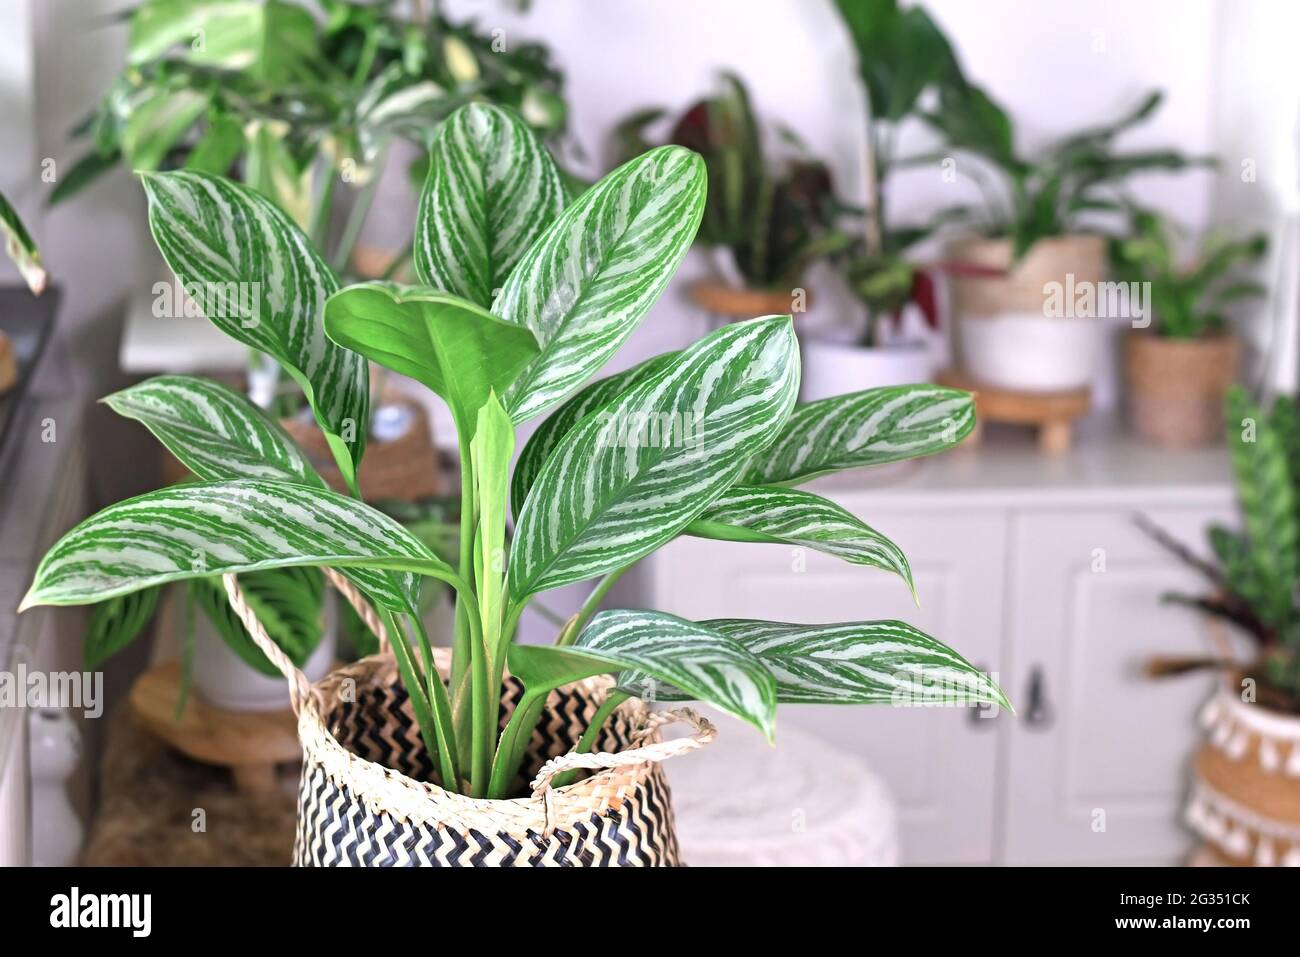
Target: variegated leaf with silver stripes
[492,190]
[257,278]
[556,425]
[630,476]
[586,283]
[665,651]
[216,433]
[190,531]
[861,662]
[864,428]
[745,513]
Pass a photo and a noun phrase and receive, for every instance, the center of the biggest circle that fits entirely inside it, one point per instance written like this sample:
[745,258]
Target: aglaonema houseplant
[1036,229]
[901,56]
[523,298]
[766,219]
[1246,793]
[1182,356]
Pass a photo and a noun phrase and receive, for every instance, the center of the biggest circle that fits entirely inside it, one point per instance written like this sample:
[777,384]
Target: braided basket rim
[387,791]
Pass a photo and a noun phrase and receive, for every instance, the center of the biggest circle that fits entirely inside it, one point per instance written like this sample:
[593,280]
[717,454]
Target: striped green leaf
[257,278]
[189,531]
[588,280]
[116,623]
[864,428]
[862,662]
[664,651]
[216,433]
[1267,496]
[460,351]
[491,191]
[288,603]
[795,517]
[626,479]
[21,248]
[557,425]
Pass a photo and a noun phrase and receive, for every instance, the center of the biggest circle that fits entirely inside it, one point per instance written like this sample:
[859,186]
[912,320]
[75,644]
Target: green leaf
[116,623]
[84,172]
[216,433]
[159,123]
[490,451]
[196,530]
[1267,496]
[258,279]
[625,480]
[287,601]
[795,517]
[557,425]
[864,428]
[700,662]
[492,190]
[21,248]
[861,662]
[218,148]
[460,351]
[586,283]
[271,41]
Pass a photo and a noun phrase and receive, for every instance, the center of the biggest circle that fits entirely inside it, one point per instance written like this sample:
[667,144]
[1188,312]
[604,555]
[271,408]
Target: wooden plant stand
[1053,414]
[250,743]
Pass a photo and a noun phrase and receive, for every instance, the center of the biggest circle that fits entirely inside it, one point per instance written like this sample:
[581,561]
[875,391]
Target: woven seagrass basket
[367,796]
[1245,798]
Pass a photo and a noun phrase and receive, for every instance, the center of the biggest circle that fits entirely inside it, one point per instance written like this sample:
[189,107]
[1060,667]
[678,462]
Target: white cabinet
[1098,753]
[1034,570]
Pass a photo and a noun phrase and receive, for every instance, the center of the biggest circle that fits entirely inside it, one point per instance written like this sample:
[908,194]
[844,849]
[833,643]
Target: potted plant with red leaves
[767,218]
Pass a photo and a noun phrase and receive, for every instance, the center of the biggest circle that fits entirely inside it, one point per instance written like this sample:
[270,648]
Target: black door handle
[1039,714]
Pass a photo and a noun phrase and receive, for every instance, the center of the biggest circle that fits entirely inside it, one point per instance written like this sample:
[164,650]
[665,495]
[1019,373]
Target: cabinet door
[939,763]
[1098,753]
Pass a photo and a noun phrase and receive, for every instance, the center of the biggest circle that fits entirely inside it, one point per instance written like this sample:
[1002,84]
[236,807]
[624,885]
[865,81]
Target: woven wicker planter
[1176,386]
[1245,799]
[366,796]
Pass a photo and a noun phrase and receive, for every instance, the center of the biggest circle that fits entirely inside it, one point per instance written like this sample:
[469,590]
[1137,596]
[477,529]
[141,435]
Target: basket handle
[299,686]
[705,732]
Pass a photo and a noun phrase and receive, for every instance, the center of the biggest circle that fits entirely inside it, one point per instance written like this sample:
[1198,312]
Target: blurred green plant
[21,248]
[1049,194]
[293,96]
[776,216]
[1254,572]
[1187,300]
[902,56]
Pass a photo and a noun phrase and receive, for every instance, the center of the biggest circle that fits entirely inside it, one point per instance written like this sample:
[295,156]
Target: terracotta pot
[1176,386]
[734,302]
[1245,799]
[1005,336]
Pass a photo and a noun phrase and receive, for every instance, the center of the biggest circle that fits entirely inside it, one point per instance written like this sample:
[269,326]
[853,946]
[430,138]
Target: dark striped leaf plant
[525,292]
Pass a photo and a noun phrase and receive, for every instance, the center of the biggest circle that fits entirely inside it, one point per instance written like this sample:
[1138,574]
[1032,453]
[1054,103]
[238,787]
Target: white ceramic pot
[223,679]
[834,368]
[1029,352]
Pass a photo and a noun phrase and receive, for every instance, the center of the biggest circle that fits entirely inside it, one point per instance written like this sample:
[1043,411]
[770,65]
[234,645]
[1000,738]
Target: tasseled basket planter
[367,795]
[1245,798]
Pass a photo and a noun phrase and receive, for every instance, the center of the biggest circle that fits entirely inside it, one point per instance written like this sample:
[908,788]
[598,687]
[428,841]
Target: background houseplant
[767,219]
[1246,796]
[1179,369]
[901,56]
[592,492]
[1032,227]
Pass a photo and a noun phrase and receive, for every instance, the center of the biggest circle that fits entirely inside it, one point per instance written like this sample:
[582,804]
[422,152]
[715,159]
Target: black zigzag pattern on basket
[337,829]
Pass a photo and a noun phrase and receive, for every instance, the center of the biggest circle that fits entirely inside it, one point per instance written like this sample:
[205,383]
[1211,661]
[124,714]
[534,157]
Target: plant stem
[514,741]
[420,703]
[357,217]
[575,624]
[462,648]
[612,701]
[320,217]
